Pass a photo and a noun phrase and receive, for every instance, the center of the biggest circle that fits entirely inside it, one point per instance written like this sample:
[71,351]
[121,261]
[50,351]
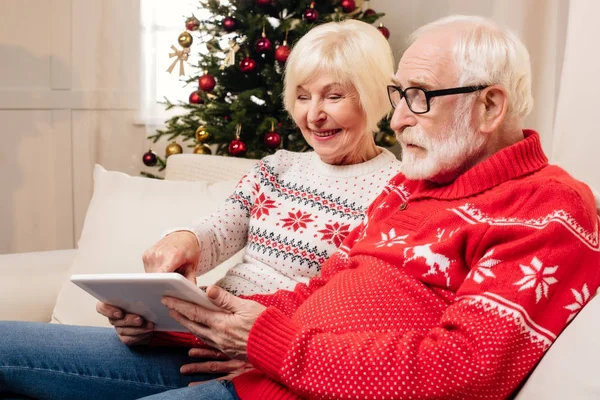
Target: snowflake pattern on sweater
[443,292]
[292,211]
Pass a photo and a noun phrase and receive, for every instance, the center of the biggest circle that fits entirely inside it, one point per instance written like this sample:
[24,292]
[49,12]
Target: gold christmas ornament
[202,149]
[181,57]
[229,59]
[388,140]
[185,39]
[173,148]
[202,135]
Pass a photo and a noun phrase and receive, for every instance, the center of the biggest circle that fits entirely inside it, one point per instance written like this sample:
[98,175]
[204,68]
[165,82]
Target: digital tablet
[141,293]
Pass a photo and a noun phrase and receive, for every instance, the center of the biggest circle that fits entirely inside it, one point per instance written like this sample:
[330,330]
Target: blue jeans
[213,390]
[48,361]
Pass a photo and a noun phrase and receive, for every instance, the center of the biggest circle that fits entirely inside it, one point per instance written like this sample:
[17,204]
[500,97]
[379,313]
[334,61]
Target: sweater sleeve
[224,232]
[522,291]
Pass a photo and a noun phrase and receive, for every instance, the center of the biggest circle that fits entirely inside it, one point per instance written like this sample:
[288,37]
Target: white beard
[445,156]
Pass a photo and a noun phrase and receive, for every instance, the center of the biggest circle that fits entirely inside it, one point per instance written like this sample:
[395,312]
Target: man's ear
[494,108]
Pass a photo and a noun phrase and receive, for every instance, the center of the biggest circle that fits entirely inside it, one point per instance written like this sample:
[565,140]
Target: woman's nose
[316,113]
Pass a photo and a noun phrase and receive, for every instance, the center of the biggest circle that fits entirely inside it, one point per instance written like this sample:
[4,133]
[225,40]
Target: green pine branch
[250,99]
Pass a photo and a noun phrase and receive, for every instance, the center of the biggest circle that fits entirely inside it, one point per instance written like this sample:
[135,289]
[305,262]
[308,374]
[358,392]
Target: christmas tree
[235,105]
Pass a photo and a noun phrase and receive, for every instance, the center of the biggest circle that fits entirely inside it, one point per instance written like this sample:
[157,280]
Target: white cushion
[569,370]
[208,168]
[126,215]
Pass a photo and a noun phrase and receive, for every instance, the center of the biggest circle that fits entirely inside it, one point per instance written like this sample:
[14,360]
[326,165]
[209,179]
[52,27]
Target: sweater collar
[522,158]
[352,170]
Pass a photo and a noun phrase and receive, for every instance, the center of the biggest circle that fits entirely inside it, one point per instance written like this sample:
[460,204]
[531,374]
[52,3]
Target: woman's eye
[335,96]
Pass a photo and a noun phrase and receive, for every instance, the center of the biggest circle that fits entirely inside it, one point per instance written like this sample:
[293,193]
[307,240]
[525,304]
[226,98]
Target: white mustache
[413,135]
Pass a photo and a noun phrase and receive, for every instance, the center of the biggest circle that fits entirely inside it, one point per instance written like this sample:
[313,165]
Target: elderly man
[466,269]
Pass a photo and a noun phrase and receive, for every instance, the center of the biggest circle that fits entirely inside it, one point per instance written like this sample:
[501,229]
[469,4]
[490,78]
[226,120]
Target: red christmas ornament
[192,24]
[348,6]
[368,12]
[272,140]
[384,31]
[207,82]
[229,24]
[237,148]
[247,65]
[263,45]
[311,15]
[262,3]
[282,52]
[195,98]
[149,158]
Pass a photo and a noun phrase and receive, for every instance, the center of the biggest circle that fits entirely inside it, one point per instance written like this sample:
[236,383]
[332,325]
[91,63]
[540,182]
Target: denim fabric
[213,390]
[48,361]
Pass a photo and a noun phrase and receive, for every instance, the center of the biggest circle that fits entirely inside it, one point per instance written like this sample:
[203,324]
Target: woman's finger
[131,320]
[135,340]
[109,311]
[131,331]
[213,367]
[203,352]
[227,377]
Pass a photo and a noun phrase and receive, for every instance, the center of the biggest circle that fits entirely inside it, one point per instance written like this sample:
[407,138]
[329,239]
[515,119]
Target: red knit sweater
[451,292]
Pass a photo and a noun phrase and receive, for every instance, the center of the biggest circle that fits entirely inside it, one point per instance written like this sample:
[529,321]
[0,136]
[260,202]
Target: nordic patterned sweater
[292,212]
[444,292]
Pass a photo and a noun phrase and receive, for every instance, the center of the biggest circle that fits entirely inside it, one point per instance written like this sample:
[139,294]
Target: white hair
[351,51]
[488,54]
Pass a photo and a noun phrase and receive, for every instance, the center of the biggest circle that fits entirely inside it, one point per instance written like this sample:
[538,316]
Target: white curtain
[161,22]
[576,141]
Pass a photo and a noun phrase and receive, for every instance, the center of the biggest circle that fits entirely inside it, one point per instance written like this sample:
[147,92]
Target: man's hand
[131,328]
[177,252]
[227,330]
[219,364]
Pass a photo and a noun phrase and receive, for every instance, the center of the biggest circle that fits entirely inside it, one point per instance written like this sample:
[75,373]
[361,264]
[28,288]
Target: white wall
[68,95]
[69,92]
[576,134]
[541,24]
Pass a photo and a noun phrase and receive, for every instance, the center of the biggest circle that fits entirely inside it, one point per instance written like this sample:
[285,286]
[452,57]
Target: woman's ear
[495,107]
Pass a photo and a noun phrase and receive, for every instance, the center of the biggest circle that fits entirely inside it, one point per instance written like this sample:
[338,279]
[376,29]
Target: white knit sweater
[292,211]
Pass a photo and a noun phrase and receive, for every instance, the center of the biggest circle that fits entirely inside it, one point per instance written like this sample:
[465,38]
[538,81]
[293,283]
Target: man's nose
[402,117]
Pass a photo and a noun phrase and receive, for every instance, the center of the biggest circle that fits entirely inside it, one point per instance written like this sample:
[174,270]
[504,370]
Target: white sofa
[118,227]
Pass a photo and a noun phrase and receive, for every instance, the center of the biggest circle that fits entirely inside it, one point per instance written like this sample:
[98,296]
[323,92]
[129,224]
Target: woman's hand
[131,328]
[214,362]
[225,330]
[177,252]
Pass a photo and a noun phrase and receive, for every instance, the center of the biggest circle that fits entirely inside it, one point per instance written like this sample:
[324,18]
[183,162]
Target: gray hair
[351,51]
[485,53]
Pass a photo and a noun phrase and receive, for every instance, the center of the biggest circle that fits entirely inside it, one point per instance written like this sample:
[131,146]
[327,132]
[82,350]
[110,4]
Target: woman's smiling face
[331,120]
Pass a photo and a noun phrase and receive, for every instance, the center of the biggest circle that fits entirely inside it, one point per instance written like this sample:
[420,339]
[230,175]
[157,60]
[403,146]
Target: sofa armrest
[569,370]
[30,282]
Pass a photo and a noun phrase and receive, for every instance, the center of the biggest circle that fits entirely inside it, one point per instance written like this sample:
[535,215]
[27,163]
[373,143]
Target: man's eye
[302,97]
[335,96]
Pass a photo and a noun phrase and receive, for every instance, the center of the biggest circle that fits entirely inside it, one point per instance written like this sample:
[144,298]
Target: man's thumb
[222,298]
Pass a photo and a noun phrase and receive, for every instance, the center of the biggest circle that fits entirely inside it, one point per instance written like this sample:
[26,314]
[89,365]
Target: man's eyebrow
[419,81]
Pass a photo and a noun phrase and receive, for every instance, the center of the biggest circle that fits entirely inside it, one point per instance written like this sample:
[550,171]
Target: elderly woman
[291,212]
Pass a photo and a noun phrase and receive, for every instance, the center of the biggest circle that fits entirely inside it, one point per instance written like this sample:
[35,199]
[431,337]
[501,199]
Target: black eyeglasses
[418,98]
